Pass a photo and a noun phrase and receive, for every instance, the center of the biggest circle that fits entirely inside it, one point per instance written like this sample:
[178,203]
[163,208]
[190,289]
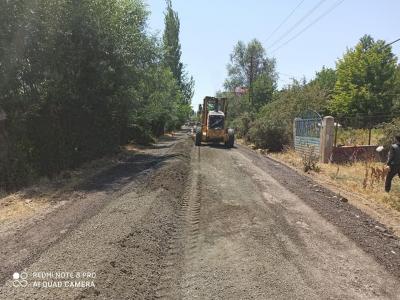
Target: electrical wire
[284,21]
[395,41]
[297,23]
[309,25]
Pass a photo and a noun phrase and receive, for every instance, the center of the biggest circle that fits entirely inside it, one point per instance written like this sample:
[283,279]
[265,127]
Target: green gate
[307,133]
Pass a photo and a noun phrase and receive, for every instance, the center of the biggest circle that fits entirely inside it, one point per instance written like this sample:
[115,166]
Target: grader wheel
[197,140]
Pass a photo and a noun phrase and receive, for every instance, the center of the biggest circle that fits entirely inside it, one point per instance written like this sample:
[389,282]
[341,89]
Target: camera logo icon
[19,279]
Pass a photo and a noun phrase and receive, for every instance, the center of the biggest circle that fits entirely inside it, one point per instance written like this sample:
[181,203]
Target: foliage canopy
[80,78]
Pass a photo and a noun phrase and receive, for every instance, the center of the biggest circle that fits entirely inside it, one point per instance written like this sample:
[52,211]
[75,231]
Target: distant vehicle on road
[212,128]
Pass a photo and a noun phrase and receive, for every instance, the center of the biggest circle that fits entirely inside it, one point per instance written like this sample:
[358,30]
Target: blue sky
[210,29]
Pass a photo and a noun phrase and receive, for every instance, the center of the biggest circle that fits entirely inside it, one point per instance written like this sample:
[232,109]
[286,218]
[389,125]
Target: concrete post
[294,133]
[327,138]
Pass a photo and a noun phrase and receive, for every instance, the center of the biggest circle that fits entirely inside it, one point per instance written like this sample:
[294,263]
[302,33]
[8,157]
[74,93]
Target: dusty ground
[348,181]
[185,222]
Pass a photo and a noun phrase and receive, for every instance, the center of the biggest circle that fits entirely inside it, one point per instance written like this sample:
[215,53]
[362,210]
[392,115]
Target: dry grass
[45,193]
[16,207]
[352,137]
[353,178]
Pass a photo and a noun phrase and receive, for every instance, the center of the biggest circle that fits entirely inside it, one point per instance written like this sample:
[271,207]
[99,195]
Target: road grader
[212,128]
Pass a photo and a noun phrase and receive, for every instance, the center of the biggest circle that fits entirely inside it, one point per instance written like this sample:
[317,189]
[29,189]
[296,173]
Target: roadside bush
[139,134]
[242,125]
[77,80]
[309,160]
[268,134]
[389,131]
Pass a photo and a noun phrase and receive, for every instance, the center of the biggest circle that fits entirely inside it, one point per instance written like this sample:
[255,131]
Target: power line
[395,41]
[297,23]
[384,46]
[309,25]
[284,21]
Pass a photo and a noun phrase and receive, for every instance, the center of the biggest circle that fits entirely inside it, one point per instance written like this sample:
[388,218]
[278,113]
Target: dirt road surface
[185,222]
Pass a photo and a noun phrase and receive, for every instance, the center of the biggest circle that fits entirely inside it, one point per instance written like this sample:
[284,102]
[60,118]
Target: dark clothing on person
[394,163]
[392,172]
[394,155]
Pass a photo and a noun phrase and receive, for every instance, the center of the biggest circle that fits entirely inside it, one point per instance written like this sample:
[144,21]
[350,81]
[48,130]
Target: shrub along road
[207,223]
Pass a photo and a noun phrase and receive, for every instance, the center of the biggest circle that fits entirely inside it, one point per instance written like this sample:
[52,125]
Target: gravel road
[185,222]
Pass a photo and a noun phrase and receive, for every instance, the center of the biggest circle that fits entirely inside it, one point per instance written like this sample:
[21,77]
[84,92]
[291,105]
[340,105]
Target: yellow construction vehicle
[212,128]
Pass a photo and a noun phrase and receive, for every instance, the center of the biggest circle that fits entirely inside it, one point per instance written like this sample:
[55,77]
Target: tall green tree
[325,79]
[173,52]
[396,93]
[250,67]
[273,126]
[78,79]
[365,86]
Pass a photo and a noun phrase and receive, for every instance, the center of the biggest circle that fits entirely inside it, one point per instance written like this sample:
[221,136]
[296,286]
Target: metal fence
[307,134]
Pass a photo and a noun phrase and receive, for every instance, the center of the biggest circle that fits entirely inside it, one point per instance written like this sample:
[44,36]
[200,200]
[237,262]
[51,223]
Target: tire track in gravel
[28,241]
[126,239]
[184,244]
[370,235]
[250,241]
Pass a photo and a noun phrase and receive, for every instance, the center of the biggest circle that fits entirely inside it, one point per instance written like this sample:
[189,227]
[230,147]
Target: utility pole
[251,80]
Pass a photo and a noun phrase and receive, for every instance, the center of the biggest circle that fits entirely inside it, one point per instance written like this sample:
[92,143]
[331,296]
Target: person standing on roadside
[393,163]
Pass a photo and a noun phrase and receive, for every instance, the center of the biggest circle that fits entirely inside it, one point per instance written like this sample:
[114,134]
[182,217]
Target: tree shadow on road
[123,172]
[132,165]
